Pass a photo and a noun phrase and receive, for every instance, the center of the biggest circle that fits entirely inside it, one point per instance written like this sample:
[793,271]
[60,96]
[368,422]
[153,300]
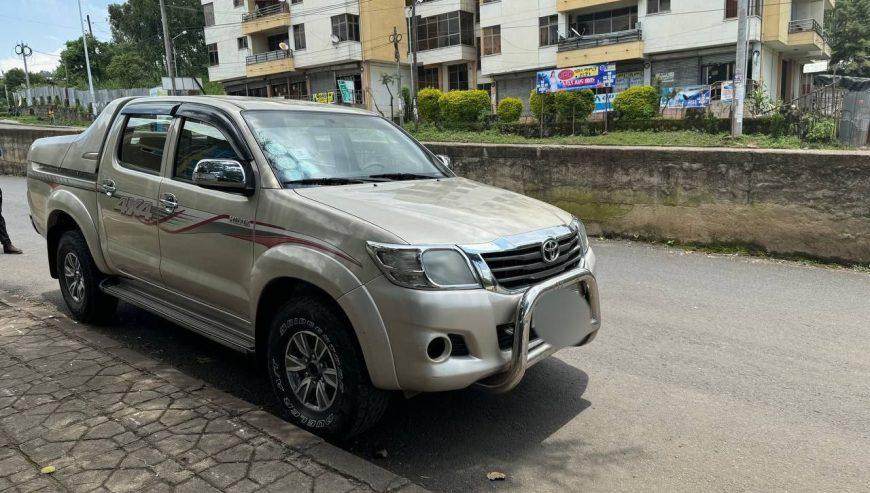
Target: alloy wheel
[311,370]
[72,274]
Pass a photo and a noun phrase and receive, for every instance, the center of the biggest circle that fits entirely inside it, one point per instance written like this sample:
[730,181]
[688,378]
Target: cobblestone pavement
[109,419]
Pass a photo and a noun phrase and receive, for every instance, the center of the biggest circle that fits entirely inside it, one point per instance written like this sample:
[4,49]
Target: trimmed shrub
[509,110]
[821,130]
[429,105]
[464,108]
[636,103]
[535,102]
[572,106]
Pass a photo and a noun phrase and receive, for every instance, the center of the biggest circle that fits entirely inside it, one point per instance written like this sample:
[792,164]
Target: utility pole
[740,68]
[90,28]
[25,51]
[88,62]
[167,45]
[396,38]
[414,61]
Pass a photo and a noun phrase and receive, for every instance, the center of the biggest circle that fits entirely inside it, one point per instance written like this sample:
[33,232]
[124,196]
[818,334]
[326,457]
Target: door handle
[108,187]
[169,202]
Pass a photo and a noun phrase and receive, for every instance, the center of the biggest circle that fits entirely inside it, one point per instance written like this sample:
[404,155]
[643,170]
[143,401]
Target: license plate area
[563,317]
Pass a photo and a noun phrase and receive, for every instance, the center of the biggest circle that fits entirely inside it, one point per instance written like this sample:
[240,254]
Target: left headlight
[578,226]
[424,267]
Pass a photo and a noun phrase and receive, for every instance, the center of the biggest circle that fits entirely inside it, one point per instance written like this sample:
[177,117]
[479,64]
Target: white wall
[225,32]
[448,54]
[379,91]
[519,35]
[428,9]
[691,24]
[317,17]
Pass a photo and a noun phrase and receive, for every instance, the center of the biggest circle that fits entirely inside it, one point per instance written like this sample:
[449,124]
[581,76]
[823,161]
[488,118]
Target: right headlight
[578,226]
[424,267]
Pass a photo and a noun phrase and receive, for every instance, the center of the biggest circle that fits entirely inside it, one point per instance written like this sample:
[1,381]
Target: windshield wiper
[326,181]
[403,176]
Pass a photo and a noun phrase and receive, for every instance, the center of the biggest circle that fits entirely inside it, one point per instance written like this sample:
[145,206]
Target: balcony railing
[269,56]
[807,25]
[581,42]
[278,8]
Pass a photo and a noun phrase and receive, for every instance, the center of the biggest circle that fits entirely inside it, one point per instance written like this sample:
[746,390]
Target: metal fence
[269,56]
[70,96]
[278,8]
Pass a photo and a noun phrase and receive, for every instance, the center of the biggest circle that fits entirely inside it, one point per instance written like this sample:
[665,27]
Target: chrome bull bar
[522,356]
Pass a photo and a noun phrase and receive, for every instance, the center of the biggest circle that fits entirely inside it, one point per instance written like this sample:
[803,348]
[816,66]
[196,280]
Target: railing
[807,25]
[580,42]
[269,56]
[278,8]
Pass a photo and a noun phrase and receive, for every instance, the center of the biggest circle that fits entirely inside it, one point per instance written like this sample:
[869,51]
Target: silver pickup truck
[322,239]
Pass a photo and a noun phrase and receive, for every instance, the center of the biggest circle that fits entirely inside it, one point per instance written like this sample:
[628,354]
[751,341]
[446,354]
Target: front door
[207,244]
[129,181]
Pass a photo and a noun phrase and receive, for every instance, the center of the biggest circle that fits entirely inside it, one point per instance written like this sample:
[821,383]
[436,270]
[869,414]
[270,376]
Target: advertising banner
[686,97]
[625,80]
[346,87]
[604,102]
[727,91]
[577,78]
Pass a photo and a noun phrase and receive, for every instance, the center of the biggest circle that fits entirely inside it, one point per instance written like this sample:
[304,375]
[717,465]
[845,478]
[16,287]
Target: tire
[80,281]
[349,407]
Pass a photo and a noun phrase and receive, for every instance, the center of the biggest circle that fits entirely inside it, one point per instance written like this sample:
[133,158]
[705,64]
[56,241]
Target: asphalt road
[711,373]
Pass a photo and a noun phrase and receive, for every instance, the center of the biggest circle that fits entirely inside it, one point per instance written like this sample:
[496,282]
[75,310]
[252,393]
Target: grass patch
[38,120]
[684,138]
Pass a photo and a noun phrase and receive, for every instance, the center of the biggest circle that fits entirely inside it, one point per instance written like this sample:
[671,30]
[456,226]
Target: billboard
[576,78]
[685,97]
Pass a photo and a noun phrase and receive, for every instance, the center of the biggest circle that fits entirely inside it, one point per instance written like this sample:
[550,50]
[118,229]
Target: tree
[850,30]
[136,25]
[15,80]
[127,69]
[72,58]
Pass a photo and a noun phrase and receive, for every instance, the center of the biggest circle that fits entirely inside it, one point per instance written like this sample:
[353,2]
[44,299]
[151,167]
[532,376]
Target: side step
[217,331]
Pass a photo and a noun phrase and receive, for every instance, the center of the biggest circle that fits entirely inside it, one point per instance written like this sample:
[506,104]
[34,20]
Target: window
[273,43]
[213,58]
[208,14]
[457,77]
[731,8]
[609,21]
[718,72]
[429,77]
[299,36]
[448,29]
[238,3]
[346,27]
[199,140]
[491,40]
[142,142]
[549,30]
[242,42]
[656,6]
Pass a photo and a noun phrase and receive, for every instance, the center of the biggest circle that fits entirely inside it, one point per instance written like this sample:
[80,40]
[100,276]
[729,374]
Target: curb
[308,445]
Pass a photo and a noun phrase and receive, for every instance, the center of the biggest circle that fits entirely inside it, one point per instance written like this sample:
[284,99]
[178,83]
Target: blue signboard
[577,78]
[686,97]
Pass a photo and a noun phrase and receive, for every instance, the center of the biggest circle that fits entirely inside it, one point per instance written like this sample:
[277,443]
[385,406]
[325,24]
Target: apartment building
[679,42]
[302,49]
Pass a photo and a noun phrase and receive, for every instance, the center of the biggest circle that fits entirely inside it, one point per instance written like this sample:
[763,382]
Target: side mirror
[220,174]
[444,160]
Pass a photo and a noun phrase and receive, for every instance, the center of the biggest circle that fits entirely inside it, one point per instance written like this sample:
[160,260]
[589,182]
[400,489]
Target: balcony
[268,63]
[807,36]
[569,5]
[600,48]
[266,19]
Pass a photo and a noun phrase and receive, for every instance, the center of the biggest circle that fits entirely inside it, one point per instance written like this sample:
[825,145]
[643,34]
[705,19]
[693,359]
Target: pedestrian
[4,236]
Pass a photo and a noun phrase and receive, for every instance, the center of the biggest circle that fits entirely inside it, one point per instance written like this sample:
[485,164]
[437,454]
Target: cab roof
[254,103]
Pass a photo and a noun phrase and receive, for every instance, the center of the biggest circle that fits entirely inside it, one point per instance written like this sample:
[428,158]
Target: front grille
[524,266]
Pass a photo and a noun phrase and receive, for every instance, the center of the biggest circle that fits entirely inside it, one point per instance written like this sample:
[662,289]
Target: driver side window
[199,140]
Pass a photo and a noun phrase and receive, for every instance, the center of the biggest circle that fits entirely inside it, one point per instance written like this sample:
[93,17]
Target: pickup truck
[348,259]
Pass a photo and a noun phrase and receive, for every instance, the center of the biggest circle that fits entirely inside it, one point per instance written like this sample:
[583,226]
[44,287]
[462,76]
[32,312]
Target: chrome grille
[521,267]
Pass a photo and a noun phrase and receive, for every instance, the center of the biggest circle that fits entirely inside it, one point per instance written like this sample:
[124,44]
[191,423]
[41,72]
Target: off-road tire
[357,405]
[93,306]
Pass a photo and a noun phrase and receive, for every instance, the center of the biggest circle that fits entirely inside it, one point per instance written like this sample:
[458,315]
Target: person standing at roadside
[4,236]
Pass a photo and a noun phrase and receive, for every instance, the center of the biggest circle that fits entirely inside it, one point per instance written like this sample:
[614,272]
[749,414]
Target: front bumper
[414,318]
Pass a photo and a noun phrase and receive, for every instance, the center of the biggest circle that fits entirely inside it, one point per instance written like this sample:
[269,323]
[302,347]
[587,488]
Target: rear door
[129,180]
[207,242]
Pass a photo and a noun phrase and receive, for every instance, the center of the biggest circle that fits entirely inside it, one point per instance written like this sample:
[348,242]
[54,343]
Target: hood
[446,211]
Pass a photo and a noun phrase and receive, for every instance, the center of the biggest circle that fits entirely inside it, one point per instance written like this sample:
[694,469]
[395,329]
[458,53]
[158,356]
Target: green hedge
[464,108]
[574,106]
[636,103]
[428,103]
[509,110]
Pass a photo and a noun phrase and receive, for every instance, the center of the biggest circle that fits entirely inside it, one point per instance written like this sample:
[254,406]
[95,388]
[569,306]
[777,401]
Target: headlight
[423,267]
[578,226]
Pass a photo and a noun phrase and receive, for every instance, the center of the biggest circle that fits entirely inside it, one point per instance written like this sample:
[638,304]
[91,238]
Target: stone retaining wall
[15,141]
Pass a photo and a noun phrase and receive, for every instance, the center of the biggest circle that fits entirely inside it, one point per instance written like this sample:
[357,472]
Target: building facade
[301,48]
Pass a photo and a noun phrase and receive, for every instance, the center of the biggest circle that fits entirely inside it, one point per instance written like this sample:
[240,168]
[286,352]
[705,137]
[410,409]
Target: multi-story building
[301,49]
[677,42]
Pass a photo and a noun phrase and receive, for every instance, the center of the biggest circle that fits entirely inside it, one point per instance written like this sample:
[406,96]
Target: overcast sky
[45,25]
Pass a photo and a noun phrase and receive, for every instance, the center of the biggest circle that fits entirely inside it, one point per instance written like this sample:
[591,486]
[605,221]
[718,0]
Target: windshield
[321,149]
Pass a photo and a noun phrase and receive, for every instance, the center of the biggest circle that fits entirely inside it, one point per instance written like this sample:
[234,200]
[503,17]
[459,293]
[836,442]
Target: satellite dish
[335,39]
[283,46]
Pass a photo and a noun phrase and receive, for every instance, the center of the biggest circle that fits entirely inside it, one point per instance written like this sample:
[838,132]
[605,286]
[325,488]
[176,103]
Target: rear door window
[143,142]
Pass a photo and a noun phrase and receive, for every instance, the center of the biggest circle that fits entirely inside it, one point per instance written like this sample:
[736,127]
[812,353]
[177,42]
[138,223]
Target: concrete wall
[811,203]
[15,141]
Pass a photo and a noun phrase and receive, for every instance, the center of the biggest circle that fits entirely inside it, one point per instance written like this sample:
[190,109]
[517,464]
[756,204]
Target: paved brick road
[110,419]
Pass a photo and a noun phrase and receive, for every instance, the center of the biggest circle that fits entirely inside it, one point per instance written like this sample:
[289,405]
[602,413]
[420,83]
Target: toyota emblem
[550,250]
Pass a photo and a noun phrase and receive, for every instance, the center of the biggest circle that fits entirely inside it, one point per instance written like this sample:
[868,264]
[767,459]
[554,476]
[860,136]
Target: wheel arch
[69,213]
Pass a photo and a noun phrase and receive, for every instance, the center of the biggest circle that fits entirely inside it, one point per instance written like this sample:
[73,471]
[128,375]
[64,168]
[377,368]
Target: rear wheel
[80,281]
[318,373]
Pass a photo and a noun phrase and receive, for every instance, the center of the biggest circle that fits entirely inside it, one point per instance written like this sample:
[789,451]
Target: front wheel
[80,281]
[318,373]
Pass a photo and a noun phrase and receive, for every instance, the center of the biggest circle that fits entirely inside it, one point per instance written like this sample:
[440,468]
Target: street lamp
[174,60]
